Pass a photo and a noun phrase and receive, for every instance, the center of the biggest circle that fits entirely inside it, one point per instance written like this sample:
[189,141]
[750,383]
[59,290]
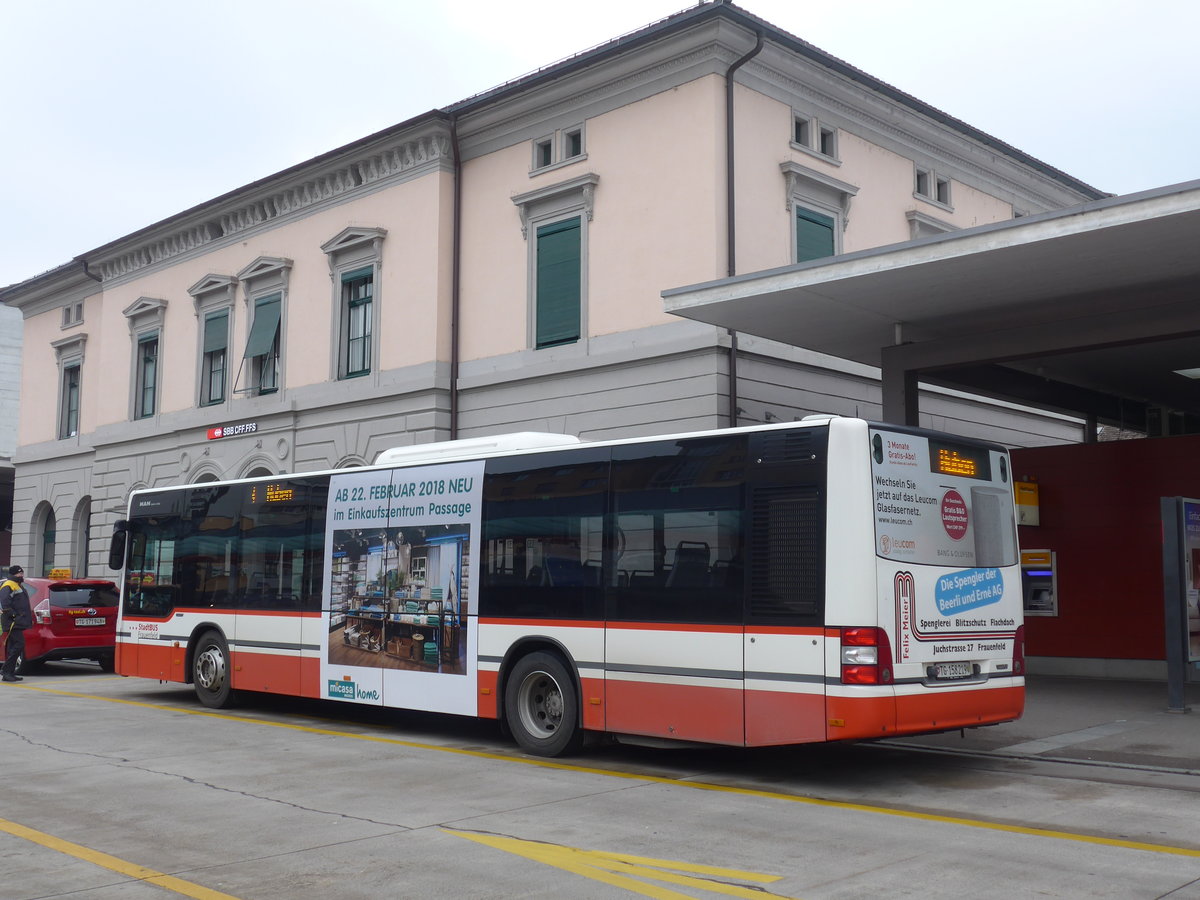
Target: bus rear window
[937,502]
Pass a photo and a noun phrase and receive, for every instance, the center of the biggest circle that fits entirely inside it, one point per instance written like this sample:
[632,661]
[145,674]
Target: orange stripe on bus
[681,712]
[267,672]
[779,717]
[231,611]
[592,696]
[489,702]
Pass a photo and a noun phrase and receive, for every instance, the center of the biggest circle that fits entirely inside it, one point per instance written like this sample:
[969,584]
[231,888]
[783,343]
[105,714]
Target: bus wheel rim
[210,669]
[541,705]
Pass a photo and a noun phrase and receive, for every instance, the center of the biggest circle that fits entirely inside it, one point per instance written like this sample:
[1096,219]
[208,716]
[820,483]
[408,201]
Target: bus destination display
[272,493]
[956,459]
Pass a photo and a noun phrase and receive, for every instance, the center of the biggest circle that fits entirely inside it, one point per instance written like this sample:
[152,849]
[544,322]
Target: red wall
[1100,512]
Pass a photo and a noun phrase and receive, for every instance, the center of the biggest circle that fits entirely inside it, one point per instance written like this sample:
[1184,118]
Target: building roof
[707,12]
[722,9]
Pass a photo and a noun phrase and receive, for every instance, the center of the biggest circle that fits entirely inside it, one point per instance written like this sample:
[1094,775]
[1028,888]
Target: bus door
[148,634]
[785,587]
[280,577]
[674,630]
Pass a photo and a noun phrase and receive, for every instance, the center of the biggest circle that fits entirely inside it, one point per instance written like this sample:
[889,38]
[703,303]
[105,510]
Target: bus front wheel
[541,706]
[211,671]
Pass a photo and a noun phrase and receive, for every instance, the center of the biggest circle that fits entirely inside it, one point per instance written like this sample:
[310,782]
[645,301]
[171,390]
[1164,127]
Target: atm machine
[1039,582]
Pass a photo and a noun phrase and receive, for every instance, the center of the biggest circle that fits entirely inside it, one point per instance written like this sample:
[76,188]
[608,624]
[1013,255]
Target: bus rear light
[866,656]
[1018,663]
[41,612]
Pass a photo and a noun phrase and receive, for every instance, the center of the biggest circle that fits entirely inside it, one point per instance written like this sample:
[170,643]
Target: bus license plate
[952,670]
[99,620]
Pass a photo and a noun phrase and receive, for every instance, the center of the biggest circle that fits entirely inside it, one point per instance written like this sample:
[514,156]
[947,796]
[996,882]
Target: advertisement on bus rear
[401,546]
[946,539]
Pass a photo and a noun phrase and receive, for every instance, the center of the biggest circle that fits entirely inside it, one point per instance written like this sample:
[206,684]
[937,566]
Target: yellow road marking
[657,779]
[131,870]
[624,871]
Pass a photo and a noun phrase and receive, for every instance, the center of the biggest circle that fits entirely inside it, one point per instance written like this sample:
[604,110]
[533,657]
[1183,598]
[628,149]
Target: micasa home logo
[345,689]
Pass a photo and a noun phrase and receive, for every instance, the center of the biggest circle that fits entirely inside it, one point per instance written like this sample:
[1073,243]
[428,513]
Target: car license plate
[953,670]
[98,620]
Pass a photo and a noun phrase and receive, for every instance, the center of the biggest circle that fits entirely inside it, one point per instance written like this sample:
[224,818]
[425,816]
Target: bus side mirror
[116,550]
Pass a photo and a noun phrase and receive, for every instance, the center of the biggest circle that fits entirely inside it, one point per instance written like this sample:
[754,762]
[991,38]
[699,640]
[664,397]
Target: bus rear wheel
[541,706]
[211,671]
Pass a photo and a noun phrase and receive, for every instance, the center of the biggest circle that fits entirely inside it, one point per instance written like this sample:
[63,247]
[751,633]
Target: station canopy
[1092,311]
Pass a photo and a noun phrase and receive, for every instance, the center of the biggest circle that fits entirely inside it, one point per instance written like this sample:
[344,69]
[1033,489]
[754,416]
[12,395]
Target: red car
[72,619]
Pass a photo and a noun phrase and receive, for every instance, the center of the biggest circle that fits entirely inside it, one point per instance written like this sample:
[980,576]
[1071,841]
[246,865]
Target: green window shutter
[216,332]
[265,327]
[814,235]
[357,298]
[559,271]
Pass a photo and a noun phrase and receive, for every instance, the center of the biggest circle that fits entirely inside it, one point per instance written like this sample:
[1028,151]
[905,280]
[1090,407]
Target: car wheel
[107,663]
[541,706]
[27,666]
[211,671]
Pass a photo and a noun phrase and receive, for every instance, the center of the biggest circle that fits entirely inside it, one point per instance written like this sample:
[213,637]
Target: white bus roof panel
[470,447]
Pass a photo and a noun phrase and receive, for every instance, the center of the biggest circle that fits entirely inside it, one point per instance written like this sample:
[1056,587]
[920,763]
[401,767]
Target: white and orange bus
[821,580]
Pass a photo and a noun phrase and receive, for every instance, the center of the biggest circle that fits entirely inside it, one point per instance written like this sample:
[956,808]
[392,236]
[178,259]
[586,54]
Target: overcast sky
[118,113]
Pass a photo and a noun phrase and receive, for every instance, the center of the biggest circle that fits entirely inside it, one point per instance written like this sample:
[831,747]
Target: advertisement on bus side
[401,546]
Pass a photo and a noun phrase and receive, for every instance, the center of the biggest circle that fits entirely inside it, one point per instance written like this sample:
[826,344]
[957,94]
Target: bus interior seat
[563,571]
[690,569]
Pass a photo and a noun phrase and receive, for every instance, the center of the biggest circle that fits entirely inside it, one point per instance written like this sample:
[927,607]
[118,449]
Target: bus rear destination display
[960,460]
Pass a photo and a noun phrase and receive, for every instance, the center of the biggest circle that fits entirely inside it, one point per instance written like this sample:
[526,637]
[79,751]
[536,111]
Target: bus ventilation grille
[788,446]
[787,572]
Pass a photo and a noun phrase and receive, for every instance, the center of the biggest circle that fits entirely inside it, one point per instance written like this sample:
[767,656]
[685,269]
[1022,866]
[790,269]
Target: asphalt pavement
[1123,723]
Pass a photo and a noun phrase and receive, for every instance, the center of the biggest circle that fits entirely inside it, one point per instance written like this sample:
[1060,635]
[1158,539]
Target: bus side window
[678,531]
[543,535]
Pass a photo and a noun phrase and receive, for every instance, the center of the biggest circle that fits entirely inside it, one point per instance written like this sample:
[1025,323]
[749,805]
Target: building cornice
[50,290]
[335,178]
[880,119]
[682,47]
[729,17]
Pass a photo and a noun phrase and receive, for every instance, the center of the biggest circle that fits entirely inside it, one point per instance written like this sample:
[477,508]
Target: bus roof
[533,441]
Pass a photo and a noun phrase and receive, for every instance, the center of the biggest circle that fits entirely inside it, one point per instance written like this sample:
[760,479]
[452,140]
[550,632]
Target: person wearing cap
[15,617]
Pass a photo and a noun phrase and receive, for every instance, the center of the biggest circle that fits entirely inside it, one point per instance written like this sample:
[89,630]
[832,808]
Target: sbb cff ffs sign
[224,431]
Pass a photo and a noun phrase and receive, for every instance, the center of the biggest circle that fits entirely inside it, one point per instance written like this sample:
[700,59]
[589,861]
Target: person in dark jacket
[15,617]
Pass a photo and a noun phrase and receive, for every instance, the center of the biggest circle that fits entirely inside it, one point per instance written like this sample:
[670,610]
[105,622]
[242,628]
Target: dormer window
[931,187]
[72,314]
[814,137]
[564,146]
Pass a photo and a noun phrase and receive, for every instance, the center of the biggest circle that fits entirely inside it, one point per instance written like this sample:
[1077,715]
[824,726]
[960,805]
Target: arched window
[45,560]
[82,538]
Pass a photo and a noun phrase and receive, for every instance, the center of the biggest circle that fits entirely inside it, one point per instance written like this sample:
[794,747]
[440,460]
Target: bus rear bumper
[923,712]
